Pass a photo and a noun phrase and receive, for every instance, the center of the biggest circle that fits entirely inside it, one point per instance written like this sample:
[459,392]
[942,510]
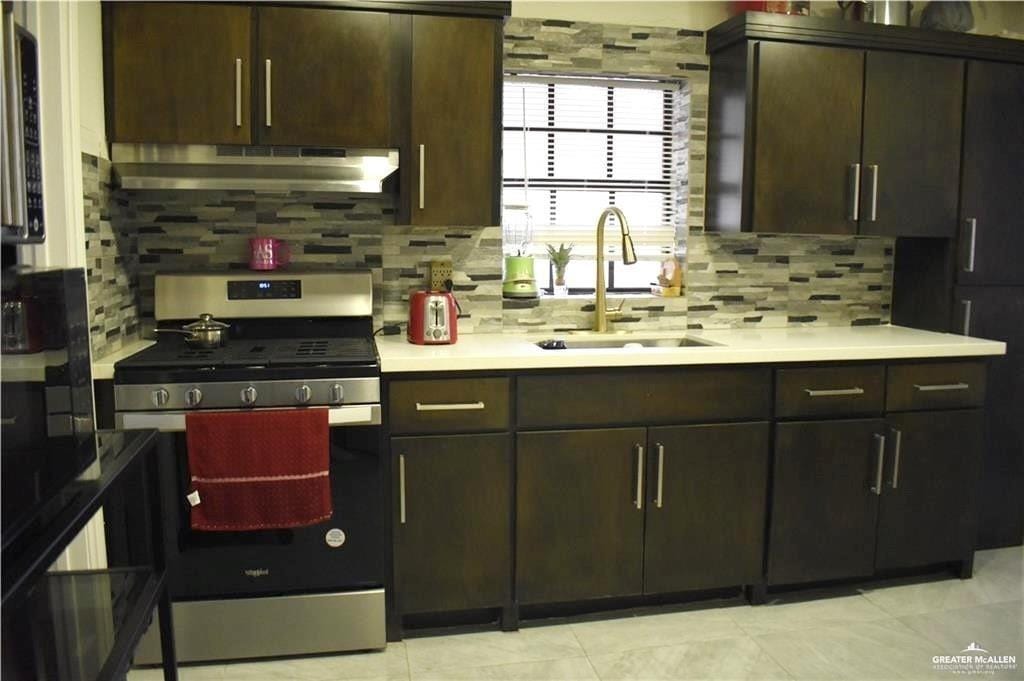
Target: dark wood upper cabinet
[706,505]
[806,143]
[824,512]
[579,515]
[454,542]
[992,200]
[838,141]
[911,149]
[325,77]
[454,122]
[927,508]
[822,126]
[179,74]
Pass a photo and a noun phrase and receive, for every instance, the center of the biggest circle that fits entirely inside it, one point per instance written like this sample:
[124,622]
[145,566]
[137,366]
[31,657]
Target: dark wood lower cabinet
[824,513]
[454,543]
[706,491]
[927,505]
[579,528]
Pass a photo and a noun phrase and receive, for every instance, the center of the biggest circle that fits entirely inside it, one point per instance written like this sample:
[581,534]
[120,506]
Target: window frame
[667,136]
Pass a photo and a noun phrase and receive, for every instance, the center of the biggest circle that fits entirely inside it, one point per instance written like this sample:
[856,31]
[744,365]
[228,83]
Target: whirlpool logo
[256,572]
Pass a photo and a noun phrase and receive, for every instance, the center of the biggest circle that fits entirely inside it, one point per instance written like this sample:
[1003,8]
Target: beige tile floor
[888,631]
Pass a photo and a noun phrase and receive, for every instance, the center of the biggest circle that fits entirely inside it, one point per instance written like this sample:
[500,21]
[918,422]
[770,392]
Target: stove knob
[337,393]
[303,394]
[161,397]
[193,397]
[248,395]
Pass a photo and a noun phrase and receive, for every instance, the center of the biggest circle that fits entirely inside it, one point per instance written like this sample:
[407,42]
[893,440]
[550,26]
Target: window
[573,146]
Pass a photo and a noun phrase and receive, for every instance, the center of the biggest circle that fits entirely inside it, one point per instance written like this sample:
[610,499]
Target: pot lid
[206,322]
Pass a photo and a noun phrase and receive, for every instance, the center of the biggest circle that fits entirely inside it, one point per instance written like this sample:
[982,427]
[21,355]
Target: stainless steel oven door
[343,553]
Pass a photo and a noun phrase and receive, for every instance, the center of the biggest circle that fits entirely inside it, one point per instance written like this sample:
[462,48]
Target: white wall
[699,15]
[58,27]
[990,18]
[90,79]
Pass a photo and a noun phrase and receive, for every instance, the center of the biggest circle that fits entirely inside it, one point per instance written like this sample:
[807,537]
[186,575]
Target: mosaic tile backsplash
[111,263]
[731,280]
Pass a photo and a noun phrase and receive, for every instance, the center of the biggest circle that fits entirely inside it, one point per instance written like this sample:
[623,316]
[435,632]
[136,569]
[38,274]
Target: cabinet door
[991,200]
[453,535]
[579,515]
[454,121]
[326,77]
[993,312]
[927,506]
[824,512]
[807,138]
[707,488]
[180,73]
[911,157]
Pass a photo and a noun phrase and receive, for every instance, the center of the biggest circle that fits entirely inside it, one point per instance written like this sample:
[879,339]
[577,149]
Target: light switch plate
[440,271]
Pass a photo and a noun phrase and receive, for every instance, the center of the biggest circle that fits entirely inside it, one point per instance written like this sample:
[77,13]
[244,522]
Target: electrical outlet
[440,271]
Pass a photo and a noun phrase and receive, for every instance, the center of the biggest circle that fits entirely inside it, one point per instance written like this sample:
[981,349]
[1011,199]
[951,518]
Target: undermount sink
[625,342]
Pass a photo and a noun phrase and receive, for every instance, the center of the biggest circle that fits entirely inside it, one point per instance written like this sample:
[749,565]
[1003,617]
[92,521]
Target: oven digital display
[264,289]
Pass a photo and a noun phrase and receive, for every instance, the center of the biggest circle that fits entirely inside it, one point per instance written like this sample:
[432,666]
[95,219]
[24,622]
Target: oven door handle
[174,421]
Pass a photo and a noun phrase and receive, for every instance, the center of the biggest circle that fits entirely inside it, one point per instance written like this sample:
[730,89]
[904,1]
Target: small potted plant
[560,260]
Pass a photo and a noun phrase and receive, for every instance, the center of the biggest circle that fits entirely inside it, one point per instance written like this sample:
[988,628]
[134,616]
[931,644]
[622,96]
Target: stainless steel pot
[891,12]
[206,332]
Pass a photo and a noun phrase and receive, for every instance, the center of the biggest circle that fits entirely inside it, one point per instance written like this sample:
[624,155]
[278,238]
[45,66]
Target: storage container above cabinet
[819,126]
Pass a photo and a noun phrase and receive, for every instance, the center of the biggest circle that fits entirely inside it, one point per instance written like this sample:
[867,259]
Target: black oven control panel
[264,289]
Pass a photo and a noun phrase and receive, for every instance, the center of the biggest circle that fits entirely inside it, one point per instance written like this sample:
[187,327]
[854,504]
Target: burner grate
[312,348]
[257,353]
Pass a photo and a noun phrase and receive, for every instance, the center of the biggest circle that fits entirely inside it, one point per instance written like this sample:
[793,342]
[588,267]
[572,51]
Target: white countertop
[103,368]
[475,352]
[31,368]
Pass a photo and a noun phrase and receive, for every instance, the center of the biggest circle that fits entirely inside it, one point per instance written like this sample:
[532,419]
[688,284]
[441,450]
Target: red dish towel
[258,470]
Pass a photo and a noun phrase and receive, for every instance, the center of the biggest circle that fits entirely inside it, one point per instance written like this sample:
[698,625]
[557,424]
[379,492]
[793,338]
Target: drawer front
[946,385]
[666,396]
[827,391]
[449,405]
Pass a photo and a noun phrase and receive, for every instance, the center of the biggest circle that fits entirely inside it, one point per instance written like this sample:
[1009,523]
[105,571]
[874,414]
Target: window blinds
[573,146]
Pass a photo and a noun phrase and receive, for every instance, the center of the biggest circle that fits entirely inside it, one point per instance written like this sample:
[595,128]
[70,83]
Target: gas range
[295,340]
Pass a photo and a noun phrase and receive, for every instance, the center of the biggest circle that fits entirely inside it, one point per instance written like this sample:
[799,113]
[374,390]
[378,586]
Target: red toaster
[433,319]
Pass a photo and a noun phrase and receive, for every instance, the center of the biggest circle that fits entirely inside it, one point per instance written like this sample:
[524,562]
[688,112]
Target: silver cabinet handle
[833,393]
[267,91]
[854,213]
[895,482]
[238,93]
[449,406]
[423,156]
[874,192]
[661,474]
[639,500]
[972,226]
[941,387]
[401,489]
[877,487]
[967,317]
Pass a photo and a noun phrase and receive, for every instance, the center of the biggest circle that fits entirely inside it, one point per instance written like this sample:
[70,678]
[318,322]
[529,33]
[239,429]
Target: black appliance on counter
[295,341]
[47,432]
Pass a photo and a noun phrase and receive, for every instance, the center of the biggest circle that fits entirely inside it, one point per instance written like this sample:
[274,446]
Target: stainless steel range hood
[193,166]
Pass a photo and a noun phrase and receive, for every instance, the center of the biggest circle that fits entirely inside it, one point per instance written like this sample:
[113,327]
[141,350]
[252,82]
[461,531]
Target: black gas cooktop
[270,358]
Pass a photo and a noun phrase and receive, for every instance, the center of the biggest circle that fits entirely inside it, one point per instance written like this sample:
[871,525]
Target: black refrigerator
[989,292]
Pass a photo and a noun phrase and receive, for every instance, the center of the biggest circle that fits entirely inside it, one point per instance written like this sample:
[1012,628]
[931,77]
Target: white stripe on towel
[262,478]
